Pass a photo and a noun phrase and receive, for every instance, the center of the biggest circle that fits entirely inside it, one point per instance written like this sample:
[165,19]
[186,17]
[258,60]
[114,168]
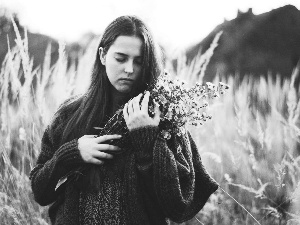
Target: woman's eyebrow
[125,55]
[120,53]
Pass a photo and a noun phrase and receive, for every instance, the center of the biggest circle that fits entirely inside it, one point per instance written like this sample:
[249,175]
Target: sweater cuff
[68,154]
[143,138]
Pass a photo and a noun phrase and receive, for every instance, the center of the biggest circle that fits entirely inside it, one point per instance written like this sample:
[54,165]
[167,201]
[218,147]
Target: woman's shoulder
[70,102]
[66,109]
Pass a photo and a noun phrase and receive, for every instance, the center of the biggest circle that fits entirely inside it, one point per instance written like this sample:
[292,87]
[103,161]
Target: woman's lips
[126,80]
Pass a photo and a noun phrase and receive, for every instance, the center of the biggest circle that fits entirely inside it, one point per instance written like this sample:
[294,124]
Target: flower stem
[239,204]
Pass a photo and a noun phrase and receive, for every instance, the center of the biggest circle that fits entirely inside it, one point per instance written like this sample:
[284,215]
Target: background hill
[250,44]
[37,43]
[254,44]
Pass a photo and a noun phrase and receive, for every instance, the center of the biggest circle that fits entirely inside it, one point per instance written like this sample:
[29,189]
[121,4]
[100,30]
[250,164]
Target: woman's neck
[117,99]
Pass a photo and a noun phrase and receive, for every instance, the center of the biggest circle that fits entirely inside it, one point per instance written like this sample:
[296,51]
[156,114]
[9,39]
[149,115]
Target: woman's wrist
[143,138]
[68,153]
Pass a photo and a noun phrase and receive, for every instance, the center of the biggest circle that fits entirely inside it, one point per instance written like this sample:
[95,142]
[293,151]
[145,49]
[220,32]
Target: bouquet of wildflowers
[179,106]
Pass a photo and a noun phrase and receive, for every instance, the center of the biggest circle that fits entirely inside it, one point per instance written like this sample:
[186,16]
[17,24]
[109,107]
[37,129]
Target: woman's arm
[52,164]
[172,172]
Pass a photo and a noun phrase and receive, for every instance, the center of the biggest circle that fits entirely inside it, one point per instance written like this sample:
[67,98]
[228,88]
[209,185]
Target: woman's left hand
[137,116]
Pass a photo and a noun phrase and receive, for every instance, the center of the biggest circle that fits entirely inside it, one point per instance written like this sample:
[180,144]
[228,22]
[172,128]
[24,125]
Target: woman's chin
[124,90]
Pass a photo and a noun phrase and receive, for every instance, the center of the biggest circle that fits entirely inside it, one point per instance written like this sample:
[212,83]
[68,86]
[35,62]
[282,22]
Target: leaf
[61,181]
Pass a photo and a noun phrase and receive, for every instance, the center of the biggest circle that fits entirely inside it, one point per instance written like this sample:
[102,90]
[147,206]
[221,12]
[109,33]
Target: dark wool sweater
[151,181]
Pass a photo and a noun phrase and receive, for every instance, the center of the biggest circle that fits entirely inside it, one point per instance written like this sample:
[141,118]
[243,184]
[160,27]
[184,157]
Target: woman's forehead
[129,45]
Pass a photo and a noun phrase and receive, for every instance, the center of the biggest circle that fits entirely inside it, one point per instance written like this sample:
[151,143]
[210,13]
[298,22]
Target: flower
[180,105]
[166,134]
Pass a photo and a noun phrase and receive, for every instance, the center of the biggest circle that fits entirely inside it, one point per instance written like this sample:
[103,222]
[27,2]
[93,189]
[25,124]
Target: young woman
[147,180]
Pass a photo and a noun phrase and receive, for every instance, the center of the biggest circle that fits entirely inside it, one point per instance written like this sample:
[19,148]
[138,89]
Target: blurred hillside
[263,44]
[250,44]
[37,43]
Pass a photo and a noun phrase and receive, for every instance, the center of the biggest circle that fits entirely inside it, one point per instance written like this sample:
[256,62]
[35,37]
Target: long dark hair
[91,109]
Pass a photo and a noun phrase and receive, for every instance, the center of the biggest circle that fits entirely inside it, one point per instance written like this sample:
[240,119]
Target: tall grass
[251,146]
[253,153]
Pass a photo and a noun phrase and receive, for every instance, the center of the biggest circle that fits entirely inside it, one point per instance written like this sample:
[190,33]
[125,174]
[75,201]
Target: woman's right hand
[91,148]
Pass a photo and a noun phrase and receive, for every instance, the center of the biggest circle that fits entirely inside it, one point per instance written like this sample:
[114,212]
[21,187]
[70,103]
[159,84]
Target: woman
[146,180]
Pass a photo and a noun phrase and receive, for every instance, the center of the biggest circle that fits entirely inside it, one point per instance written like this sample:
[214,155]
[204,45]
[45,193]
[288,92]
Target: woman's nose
[129,67]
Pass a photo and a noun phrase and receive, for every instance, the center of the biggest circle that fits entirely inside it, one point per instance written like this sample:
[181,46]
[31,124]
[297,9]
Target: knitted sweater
[151,181]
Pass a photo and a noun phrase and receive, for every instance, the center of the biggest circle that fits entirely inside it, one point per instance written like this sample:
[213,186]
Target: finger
[125,111]
[89,136]
[145,102]
[136,103]
[108,147]
[102,155]
[96,161]
[130,108]
[104,138]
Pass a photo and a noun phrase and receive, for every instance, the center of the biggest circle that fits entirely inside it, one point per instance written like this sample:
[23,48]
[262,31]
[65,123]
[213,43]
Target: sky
[174,23]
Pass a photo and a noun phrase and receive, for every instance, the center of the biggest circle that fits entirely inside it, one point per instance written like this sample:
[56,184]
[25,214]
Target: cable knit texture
[153,181]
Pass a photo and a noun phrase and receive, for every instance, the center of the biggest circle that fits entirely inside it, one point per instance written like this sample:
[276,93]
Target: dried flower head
[181,105]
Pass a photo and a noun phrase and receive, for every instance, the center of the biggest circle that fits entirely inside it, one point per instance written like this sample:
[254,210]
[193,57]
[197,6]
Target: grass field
[250,147]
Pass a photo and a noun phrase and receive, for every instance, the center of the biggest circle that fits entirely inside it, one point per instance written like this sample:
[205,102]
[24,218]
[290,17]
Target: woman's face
[123,62]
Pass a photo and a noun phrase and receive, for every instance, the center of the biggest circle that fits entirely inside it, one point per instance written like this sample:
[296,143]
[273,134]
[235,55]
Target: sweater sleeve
[173,172]
[52,164]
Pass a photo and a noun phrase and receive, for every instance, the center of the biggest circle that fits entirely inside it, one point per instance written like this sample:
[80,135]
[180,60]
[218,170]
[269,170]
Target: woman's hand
[91,148]
[137,116]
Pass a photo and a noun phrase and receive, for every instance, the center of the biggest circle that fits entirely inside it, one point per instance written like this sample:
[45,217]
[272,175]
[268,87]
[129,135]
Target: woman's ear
[102,55]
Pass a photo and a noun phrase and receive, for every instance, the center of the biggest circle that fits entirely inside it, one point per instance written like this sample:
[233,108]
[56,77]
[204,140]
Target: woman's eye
[139,62]
[120,59]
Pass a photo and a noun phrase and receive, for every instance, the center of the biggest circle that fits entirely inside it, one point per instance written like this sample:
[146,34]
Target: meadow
[250,147]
